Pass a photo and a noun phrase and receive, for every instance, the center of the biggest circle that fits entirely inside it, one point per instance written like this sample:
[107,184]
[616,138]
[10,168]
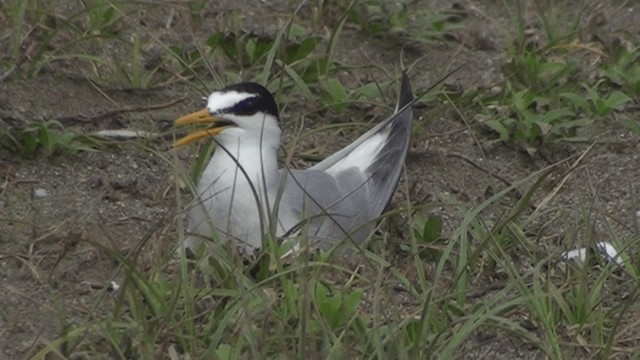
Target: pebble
[40,193]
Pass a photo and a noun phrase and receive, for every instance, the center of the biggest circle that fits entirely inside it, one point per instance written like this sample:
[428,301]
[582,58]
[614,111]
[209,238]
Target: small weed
[595,104]
[335,95]
[103,16]
[538,72]
[136,72]
[17,12]
[88,37]
[546,97]
[397,19]
[623,68]
[428,236]
[47,137]
[526,117]
[245,50]
[74,36]
[558,24]
[631,124]
[336,308]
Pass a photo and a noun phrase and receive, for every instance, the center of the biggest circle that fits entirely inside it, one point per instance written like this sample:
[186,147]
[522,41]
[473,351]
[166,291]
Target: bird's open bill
[215,126]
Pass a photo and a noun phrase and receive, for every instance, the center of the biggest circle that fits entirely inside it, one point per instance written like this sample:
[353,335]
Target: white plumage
[242,194]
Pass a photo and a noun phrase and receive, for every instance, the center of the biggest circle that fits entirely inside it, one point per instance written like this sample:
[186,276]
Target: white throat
[234,177]
[257,156]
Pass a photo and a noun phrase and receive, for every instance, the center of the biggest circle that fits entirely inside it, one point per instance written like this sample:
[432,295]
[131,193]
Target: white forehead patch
[219,100]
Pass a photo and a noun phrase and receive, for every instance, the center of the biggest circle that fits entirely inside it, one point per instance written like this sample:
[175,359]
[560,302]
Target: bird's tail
[379,153]
[387,168]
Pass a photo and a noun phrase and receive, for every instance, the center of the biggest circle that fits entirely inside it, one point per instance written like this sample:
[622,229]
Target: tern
[243,194]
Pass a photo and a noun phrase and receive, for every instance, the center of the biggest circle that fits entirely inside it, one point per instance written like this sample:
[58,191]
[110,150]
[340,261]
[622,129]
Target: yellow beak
[200,117]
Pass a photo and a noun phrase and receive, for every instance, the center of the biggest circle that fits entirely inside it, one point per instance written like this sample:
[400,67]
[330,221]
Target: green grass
[434,292]
[550,93]
[49,138]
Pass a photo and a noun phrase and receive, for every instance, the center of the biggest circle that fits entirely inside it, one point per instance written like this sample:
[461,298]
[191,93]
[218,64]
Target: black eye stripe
[247,106]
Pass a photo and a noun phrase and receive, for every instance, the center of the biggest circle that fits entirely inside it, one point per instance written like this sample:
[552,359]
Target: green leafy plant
[428,235]
[47,137]
[384,19]
[81,35]
[103,16]
[431,231]
[537,72]
[337,308]
[559,25]
[335,95]
[623,68]
[17,13]
[526,116]
[529,117]
[633,125]
[75,33]
[543,100]
[544,96]
[135,72]
[596,105]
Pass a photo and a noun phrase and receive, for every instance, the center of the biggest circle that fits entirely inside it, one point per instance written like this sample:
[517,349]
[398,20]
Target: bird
[242,195]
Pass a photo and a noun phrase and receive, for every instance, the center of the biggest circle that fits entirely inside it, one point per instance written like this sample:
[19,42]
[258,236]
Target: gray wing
[378,154]
[328,211]
[344,194]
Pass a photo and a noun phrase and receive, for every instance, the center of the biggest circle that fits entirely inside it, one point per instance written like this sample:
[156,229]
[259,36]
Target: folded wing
[347,191]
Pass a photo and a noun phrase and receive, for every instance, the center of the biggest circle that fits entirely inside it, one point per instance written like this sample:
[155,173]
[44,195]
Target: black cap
[262,101]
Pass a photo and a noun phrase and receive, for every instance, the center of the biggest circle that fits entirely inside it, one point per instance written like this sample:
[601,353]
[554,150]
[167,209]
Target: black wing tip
[406,95]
